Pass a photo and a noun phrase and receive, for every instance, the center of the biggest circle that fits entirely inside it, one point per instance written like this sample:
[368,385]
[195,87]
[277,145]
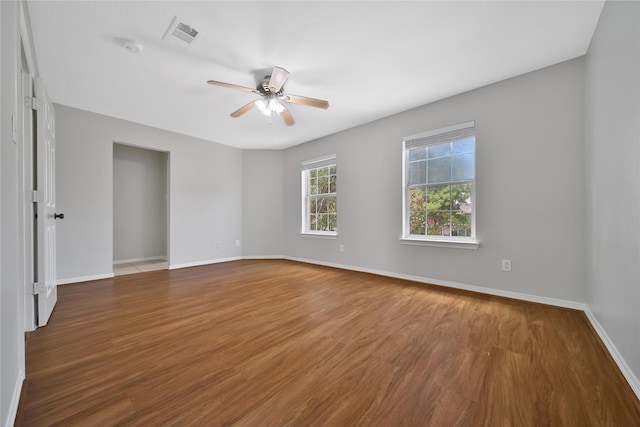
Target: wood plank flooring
[280,343]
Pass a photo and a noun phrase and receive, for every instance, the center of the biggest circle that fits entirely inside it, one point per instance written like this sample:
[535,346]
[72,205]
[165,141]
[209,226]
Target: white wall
[262,202]
[139,203]
[613,177]
[530,189]
[205,193]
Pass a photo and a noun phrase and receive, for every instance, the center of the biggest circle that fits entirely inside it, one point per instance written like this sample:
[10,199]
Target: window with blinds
[439,184]
[319,198]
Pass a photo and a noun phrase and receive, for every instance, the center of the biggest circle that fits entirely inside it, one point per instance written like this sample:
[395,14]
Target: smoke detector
[133,46]
[180,34]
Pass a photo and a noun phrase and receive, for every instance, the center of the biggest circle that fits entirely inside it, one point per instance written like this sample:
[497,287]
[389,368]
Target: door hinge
[38,288]
[32,102]
[37,196]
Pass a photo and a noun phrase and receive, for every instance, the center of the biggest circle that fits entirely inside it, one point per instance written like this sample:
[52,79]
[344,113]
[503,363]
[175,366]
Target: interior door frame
[26,170]
[27,211]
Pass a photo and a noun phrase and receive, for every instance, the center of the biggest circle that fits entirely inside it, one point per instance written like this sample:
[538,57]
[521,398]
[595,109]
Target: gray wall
[262,202]
[530,189]
[13,263]
[205,193]
[613,177]
[11,302]
[139,203]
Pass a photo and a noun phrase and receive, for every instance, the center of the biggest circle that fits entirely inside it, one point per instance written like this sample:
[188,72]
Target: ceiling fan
[271,88]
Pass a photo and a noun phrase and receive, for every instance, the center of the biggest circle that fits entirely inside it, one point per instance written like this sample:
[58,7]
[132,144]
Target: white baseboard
[264,257]
[613,351]
[206,262]
[149,258]
[490,291]
[83,279]
[15,400]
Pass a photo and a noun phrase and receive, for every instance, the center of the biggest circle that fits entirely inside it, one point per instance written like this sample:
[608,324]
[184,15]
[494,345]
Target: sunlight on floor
[139,267]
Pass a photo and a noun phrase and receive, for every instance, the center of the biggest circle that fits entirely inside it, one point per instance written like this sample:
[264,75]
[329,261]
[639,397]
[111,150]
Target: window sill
[319,235]
[457,244]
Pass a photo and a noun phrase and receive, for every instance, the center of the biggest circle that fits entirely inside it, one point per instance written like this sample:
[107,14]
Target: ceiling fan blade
[288,118]
[240,111]
[303,100]
[279,77]
[232,86]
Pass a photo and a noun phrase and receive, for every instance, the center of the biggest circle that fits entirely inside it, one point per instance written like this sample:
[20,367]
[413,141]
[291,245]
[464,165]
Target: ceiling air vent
[185,32]
[180,34]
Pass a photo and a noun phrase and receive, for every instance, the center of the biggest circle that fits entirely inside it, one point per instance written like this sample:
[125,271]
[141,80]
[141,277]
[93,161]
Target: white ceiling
[368,59]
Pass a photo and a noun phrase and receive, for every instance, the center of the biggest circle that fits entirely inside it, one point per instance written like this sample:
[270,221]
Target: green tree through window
[320,207]
[440,210]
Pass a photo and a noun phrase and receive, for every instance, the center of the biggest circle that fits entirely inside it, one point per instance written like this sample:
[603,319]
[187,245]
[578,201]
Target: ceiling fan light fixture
[269,106]
[263,107]
[276,106]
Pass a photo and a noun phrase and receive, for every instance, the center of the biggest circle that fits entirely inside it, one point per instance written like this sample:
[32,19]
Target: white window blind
[319,162]
[449,134]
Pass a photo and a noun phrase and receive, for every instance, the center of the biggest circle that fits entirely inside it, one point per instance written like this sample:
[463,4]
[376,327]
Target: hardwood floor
[273,343]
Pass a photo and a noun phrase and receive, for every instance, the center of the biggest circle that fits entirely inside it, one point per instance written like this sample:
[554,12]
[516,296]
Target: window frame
[466,242]
[306,167]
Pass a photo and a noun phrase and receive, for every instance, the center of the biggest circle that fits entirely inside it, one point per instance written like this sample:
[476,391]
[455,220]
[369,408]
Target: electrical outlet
[506,265]
[218,245]
[237,243]
[341,248]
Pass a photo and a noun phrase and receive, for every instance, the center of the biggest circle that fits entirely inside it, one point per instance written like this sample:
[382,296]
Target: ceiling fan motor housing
[263,88]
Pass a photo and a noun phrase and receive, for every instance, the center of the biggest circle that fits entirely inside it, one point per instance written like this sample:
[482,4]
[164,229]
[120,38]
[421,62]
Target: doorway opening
[140,209]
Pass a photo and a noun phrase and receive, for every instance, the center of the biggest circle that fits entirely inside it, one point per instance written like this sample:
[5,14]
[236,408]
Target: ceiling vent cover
[180,34]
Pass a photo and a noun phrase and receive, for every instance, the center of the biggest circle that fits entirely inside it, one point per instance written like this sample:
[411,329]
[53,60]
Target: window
[439,185]
[319,206]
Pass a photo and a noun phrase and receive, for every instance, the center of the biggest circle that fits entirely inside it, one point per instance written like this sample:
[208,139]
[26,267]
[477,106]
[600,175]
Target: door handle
[57,215]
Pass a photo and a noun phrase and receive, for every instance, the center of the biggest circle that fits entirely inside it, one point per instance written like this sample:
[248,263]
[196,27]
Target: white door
[46,291]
